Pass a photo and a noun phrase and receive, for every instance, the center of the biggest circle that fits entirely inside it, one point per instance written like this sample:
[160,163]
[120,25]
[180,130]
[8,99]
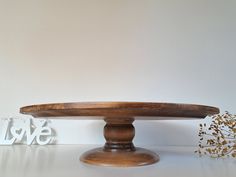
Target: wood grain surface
[119,131]
[110,109]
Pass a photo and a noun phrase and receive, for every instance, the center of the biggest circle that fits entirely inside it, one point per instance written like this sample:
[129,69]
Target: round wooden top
[119,109]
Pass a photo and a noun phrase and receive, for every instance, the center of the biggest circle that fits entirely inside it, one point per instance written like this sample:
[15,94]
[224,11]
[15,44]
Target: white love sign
[25,130]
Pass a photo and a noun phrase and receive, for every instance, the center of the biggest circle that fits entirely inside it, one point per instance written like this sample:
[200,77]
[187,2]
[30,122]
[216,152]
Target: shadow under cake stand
[119,131]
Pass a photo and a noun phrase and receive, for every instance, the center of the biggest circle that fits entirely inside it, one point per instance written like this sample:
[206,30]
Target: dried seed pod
[220,136]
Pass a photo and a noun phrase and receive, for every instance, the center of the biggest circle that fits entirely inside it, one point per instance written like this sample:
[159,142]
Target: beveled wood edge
[35,110]
[93,105]
[139,157]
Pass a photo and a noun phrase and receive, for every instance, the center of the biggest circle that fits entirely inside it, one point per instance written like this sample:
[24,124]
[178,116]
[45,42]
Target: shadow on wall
[95,135]
[167,132]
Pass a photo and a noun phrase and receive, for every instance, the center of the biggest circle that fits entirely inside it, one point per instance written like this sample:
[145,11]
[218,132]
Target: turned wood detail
[119,134]
[119,131]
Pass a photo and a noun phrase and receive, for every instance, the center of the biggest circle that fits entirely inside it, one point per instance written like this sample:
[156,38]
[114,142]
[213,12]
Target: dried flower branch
[219,138]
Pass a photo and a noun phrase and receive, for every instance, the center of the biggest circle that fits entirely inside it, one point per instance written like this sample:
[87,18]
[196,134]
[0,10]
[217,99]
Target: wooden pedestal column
[119,149]
[119,131]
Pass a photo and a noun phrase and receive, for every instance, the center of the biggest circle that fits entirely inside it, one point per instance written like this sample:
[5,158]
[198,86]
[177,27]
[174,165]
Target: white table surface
[63,161]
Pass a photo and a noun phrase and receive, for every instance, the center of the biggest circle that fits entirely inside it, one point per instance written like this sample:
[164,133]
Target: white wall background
[120,50]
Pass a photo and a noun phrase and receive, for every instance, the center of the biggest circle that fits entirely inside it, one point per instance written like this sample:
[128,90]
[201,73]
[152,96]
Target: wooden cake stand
[119,131]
